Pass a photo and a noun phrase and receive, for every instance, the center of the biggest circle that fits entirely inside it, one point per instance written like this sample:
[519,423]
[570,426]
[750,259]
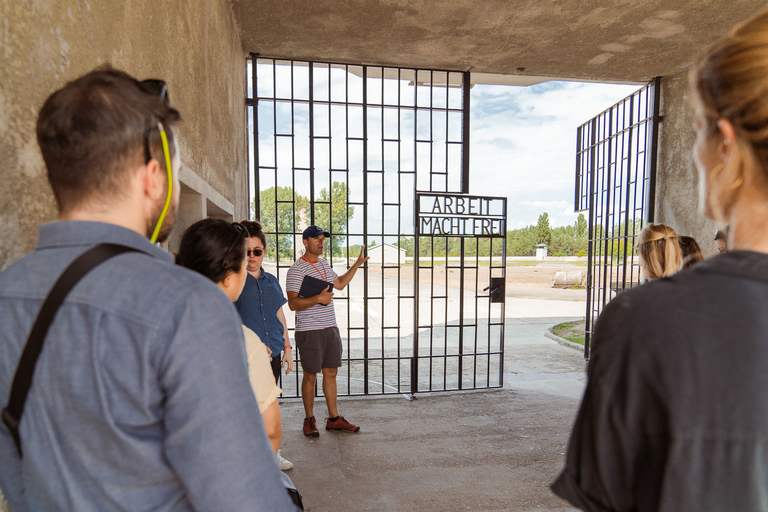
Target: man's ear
[152,180]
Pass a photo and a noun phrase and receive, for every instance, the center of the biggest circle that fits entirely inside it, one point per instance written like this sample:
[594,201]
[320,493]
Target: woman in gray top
[675,413]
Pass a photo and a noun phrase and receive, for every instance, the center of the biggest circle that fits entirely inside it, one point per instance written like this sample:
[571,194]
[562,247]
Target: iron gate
[460,322]
[347,147]
[616,181]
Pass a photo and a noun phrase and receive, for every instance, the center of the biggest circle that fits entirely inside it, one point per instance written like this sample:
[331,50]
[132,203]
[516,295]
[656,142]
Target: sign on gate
[461,215]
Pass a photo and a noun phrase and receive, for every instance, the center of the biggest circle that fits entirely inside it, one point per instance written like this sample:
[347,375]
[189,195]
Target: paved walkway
[481,450]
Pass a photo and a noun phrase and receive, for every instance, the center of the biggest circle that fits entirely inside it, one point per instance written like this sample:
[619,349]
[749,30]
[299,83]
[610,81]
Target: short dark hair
[691,251]
[255,230]
[91,133]
[210,247]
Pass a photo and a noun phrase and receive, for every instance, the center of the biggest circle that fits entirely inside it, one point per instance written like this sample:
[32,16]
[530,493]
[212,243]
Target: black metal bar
[590,240]
[651,205]
[416,280]
[465,84]
[365,224]
[312,140]
[256,182]
[461,308]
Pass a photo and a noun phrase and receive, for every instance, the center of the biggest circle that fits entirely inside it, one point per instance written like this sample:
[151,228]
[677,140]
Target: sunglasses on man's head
[255,252]
[160,89]
[156,87]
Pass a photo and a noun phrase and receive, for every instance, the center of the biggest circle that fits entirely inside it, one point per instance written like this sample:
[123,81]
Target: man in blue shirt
[140,399]
[261,307]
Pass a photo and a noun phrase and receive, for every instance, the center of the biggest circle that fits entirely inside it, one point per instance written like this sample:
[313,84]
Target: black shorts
[319,349]
[277,364]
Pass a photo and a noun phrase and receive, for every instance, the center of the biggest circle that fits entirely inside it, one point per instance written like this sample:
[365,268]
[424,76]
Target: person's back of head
[730,84]
[95,130]
[691,251]
[659,251]
[213,248]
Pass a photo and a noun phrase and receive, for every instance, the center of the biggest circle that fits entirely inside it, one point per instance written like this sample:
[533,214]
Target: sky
[523,144]
[522,141]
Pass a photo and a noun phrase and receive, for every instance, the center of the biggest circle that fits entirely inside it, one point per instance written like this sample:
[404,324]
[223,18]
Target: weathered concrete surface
[620,40]
[677,189]
[194,46]
[489,450]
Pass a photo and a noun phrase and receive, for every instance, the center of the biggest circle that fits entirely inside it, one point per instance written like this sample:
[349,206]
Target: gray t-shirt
[675,413]
[140,398]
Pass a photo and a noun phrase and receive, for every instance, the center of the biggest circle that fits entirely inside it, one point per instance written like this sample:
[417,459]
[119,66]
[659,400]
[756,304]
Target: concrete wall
[677,192]
[194,46]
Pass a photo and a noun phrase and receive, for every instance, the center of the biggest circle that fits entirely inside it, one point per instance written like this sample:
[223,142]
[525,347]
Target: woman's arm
[288,356]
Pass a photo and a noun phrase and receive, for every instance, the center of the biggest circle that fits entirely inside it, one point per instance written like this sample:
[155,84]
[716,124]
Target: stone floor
[480,450]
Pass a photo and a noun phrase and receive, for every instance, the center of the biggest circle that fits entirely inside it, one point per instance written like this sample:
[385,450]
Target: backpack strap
[22,380]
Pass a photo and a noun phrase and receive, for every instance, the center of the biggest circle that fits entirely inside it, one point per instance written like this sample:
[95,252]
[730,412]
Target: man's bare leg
[308,392]
[329,390]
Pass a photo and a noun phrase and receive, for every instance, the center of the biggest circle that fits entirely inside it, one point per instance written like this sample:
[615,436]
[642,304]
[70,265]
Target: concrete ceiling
[596,40]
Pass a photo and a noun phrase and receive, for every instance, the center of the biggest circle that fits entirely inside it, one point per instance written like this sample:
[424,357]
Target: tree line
[283,210]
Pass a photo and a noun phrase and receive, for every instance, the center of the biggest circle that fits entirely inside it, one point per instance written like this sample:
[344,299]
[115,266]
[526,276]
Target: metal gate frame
[616,155]
[439,157]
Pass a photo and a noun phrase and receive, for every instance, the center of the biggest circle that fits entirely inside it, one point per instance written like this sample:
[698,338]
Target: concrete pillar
[677,184]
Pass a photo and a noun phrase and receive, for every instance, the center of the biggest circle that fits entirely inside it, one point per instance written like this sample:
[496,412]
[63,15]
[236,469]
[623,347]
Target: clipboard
[311,286]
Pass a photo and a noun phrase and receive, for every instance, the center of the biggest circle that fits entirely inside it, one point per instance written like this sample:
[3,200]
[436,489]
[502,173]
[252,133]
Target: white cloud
[523,143]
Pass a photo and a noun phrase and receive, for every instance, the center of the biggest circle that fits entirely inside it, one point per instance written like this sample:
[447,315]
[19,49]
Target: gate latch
[498,290]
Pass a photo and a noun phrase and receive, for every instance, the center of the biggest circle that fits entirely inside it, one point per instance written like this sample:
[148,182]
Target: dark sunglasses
[255,252]
[242,233]
[160,89]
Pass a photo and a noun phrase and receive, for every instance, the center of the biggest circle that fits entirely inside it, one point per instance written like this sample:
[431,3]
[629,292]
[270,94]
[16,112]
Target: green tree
[582,228]
[543,231]
[522,242]
[280,214]
[333,214]
[407,244]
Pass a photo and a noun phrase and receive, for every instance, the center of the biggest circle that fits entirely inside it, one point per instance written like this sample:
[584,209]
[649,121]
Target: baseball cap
[314,231]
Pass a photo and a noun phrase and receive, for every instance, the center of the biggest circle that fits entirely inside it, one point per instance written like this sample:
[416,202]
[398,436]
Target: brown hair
[659,251]
[731,82]
[255,230]
[691,251]
[91,134]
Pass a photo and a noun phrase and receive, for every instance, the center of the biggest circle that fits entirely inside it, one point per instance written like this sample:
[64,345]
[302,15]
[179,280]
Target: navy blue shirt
[258,305]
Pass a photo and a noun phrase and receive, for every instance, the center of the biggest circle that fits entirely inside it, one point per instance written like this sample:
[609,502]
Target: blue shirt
[140,398]
[258,305]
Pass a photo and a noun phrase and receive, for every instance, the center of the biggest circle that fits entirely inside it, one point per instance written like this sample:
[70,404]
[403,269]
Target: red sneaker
[310,427]
[341,425]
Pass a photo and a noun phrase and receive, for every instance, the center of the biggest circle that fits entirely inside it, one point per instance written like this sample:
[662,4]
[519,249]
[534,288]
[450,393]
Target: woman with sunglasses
[675,412]
[261,308]
[216,249]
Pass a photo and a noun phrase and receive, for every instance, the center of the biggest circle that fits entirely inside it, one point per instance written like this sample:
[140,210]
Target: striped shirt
[318,316]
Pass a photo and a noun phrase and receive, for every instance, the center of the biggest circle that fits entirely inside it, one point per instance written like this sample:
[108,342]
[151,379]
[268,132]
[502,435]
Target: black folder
[311,286]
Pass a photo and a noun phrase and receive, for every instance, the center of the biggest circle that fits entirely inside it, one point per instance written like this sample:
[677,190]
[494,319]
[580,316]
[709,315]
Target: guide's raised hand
[362,259]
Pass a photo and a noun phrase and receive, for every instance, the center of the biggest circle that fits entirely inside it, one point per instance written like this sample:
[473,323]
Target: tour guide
[317,336]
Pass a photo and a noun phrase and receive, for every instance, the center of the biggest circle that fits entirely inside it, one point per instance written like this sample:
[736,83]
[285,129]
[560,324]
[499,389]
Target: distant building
[386,254]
